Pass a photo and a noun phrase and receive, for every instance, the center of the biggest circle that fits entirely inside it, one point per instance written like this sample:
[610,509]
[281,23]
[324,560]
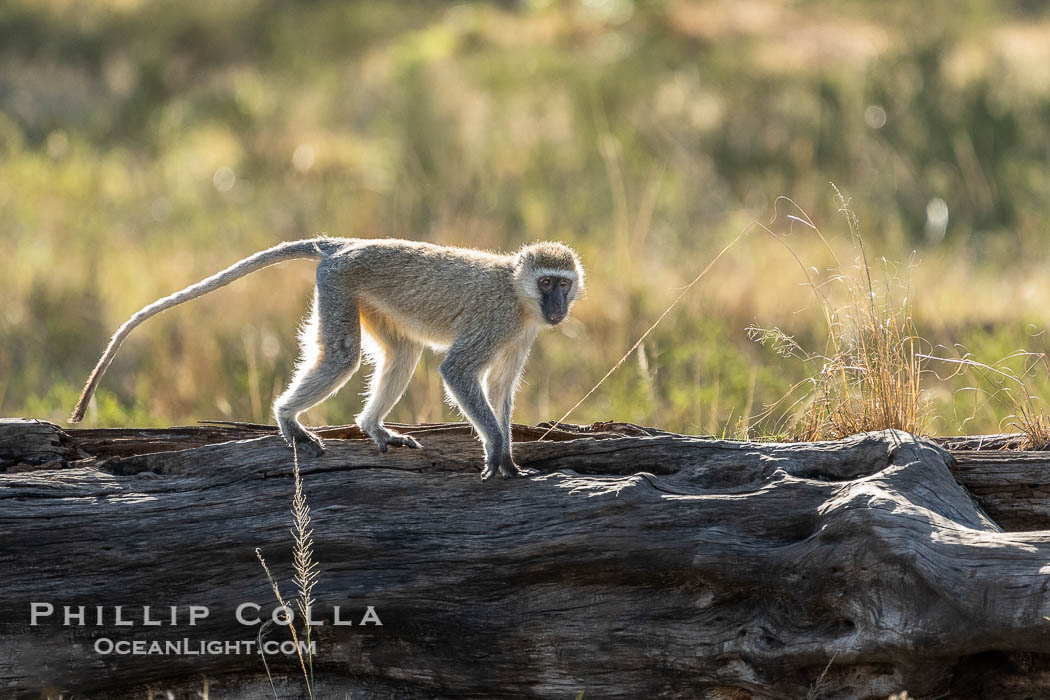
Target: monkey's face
[549,275]
[555,296]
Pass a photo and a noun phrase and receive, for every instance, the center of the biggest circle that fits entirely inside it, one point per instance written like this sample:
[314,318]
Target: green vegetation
[146,144]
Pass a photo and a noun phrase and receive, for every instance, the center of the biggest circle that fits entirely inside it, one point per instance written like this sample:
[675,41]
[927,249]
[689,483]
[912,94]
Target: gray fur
[391,298]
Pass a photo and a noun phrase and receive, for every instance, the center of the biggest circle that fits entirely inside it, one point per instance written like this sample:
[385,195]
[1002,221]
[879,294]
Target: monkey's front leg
[461,380]
[507,466]
[502,383]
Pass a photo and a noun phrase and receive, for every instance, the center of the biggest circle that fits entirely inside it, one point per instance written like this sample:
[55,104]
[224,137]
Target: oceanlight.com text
[199,647]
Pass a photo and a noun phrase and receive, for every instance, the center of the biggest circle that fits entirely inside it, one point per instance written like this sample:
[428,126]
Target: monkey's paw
[404,441]
[304,442]
[389,439]
[507,470]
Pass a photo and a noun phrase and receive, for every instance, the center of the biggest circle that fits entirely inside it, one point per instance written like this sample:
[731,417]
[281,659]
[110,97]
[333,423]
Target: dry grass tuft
[868,376]
[1035,426]
[1007,381]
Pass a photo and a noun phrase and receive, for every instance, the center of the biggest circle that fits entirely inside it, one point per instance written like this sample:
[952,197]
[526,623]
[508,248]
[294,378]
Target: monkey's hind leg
[396,360]
[330,346]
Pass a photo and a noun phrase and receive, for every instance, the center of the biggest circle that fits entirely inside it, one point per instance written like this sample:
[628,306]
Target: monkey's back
[429,293]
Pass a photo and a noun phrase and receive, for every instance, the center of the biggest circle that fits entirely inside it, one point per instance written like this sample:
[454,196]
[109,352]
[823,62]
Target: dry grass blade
[660,318]
[291,624]
[814,691]
[262,654]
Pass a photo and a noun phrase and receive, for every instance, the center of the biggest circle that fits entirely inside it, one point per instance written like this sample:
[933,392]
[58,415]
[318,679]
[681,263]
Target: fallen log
[639,563]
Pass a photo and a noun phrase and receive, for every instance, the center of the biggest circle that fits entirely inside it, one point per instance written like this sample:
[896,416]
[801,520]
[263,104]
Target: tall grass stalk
[305,572]
[302,555]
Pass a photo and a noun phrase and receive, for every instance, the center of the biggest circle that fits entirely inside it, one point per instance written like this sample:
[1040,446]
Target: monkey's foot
[306,443]
[294,434]
[396,440]
[309,445]
[310,448]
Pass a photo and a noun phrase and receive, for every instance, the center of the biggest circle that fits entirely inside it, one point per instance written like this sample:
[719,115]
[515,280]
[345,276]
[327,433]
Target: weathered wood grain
[638,564]
[1012,486]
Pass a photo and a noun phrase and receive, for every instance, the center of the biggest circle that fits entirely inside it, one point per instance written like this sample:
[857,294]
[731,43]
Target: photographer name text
[248,614]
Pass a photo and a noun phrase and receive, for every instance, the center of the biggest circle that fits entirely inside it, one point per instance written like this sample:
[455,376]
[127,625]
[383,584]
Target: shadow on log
[638,564]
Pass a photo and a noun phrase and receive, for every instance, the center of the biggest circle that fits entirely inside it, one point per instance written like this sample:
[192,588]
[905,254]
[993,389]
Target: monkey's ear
[523,262]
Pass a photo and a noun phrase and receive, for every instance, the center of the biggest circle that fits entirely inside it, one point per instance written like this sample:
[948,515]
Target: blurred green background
[146,144]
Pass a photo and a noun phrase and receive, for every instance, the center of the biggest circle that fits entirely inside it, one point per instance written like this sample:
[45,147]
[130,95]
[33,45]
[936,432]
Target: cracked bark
[640,563]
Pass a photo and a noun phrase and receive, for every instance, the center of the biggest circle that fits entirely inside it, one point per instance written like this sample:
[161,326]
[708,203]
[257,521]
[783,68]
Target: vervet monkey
[395,297]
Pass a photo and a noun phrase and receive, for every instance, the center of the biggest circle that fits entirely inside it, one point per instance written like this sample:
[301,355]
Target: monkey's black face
[554,298]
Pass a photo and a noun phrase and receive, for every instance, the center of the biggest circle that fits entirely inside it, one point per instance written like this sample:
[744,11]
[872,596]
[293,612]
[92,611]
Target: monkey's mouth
[555,319]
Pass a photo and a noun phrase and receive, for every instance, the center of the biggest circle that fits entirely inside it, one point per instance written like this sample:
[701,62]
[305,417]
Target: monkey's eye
[565,284]
[545,282]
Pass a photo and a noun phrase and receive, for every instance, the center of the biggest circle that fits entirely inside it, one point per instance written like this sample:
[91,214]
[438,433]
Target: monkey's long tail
[315,249]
